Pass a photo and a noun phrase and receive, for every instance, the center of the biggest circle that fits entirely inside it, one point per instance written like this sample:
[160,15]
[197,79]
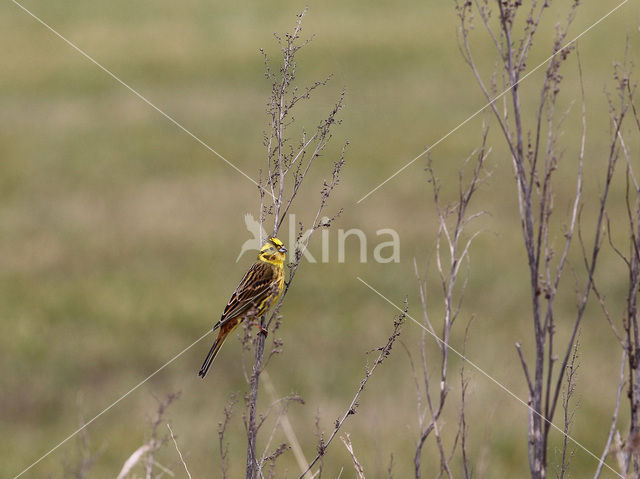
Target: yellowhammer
[258,290]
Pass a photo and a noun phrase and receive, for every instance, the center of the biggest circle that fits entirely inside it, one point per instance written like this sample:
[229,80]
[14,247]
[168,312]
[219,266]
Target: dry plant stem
[175,442]
[283,421]
[633,266]
[356,464]
[534,167]
[629,342]
[152,445]
[252,430]
[320,438]
[630,455]
[283,404]
[132,460]
[222,428]
[287,167]
[265,323]
[385,351]
[453,219]
[390,468]
[572,370]
[464,383]
[614,420]
[87,458]
[154,442]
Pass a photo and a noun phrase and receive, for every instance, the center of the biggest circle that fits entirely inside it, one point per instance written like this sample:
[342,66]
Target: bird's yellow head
[273,251]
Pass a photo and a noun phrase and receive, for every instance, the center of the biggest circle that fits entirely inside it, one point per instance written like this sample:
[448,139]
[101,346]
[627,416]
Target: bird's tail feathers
[213,352]
[225,330]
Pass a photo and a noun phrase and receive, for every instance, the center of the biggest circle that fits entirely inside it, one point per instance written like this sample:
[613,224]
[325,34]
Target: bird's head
[273,251]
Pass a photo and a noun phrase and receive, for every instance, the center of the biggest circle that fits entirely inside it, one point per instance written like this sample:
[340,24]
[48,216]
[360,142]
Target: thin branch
[525,368]
[222,428]
[614,419]
[179,453]
[385,351]
[356,464]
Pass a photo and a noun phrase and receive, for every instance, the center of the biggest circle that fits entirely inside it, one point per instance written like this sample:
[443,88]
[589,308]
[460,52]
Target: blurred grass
[118,232]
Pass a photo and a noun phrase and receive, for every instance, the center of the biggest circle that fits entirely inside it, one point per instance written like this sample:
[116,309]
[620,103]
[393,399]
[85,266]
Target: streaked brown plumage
[258,290]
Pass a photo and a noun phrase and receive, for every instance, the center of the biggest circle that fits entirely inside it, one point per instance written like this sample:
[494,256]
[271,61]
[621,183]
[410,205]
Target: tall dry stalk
[452,254]
[288,162]
[622,106]
[532,140]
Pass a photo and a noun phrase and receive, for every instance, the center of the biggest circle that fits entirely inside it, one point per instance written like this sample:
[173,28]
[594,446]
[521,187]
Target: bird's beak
[283,249]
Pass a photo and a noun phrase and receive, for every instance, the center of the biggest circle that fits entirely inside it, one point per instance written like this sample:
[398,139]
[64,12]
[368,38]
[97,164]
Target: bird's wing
[253,289]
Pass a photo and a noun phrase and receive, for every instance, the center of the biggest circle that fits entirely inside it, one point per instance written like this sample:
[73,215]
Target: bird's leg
[263,330]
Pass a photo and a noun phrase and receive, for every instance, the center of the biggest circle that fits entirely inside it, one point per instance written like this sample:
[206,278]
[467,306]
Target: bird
[259,289]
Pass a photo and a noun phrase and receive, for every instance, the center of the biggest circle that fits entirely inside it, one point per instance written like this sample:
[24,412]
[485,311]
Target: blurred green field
[119,232]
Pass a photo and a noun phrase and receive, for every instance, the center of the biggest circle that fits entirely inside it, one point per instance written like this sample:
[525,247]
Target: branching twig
[385,351]
[614,419]
[356,464]
[287,168]
[628,456]
[571,375]
[451,252]
[87,459]
[535,157]
[222,429]
[149,448]
[286,425]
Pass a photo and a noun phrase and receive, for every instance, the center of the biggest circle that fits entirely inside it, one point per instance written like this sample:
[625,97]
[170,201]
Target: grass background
[119,232]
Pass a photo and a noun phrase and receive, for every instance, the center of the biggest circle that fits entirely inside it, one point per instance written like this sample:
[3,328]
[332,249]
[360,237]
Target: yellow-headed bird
[258,290]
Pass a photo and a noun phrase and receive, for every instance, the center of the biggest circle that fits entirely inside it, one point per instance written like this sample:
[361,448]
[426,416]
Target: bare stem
[385,351]
[287,168]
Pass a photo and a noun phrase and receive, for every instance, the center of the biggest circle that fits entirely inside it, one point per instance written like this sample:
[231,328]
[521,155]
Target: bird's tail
[213,352]
[225,330]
